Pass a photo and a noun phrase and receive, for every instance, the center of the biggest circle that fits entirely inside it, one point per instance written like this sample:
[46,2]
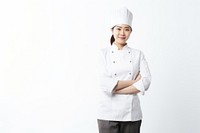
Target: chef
[123,74]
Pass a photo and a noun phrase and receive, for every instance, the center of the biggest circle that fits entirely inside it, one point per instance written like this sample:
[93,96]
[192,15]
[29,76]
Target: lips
[122,37]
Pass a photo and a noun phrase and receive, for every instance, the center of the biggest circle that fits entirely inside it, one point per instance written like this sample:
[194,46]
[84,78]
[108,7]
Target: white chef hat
[121,16]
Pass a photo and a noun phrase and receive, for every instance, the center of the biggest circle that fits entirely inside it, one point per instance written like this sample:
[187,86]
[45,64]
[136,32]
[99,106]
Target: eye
[127,29]
[118,29]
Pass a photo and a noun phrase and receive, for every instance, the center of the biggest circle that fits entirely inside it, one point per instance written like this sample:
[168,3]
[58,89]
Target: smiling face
[121,33]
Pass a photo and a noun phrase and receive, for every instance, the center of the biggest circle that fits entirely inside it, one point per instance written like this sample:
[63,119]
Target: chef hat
[121,16]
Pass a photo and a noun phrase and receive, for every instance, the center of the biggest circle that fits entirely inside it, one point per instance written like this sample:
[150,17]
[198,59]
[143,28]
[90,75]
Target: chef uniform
[121,113]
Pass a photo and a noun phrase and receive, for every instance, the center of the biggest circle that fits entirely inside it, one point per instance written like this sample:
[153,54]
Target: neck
[120,46]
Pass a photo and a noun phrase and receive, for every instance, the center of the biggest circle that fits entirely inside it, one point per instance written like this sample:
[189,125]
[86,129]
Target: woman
[123,74]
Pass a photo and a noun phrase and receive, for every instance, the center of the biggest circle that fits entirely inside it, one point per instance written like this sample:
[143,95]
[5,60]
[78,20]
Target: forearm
[128,90]
[127,85]
[121,84]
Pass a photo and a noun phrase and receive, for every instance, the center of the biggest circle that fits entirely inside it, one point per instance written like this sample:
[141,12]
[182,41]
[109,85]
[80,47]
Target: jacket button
[115,74]
[129,52]
[129,73]
[113,61]
[130,61]
[112,51]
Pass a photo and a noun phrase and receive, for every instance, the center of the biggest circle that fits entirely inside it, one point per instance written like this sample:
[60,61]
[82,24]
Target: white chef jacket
[121,65]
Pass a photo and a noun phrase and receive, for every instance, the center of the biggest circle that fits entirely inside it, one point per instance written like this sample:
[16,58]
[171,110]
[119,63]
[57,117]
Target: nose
[122,32]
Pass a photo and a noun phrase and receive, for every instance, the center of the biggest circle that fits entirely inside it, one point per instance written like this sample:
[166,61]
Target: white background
[48,57]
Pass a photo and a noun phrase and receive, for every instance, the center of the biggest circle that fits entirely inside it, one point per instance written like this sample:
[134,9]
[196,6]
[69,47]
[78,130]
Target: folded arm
[126,87]
[142,82]
[114,86]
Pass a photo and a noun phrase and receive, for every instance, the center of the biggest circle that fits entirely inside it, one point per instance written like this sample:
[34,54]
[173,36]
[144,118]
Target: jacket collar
[114,47]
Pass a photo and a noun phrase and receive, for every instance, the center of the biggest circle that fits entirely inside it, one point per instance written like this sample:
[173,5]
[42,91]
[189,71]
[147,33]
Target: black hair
[112,39]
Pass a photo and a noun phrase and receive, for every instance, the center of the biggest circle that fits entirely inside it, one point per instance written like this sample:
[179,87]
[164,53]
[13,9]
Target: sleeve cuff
[108,84]
[112,85]
[139,85]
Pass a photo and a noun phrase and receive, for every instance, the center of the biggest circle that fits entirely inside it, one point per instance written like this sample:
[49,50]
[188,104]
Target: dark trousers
[119,126]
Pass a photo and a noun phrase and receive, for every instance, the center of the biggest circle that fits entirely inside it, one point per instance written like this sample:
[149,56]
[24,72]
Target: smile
[122,37]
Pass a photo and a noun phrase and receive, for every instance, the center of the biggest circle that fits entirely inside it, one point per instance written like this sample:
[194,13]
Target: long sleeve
[106,82]
[145,81]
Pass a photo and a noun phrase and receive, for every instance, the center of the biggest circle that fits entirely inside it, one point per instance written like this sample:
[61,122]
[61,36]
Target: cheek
[115,35]
[128,34]
[115,32]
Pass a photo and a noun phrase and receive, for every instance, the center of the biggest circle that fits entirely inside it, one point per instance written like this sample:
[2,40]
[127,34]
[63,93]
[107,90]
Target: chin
[122,42]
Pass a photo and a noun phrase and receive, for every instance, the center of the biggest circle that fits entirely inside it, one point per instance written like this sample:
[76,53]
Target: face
[121,33]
